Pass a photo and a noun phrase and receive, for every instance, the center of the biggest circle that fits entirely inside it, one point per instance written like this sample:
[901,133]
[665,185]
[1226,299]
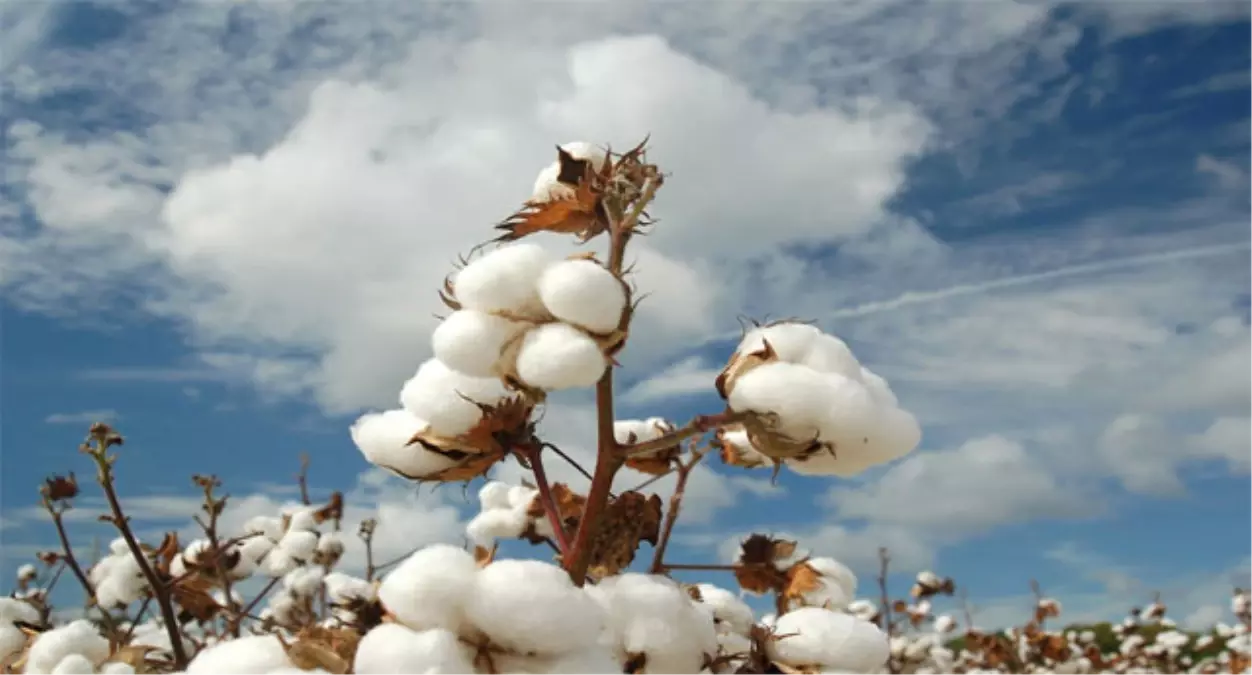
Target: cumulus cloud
[984,482]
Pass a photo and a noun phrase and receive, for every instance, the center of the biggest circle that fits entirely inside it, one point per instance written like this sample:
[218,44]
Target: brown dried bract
[582,215]
[757,569]
[740,364]
[629,519]
[331,649]
[569,505]
[332,511]
[192,594]
[657,463]
[503,426]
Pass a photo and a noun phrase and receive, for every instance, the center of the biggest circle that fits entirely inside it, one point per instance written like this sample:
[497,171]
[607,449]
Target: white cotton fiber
[393,648]
[878,388]
[266,526]
[12,639]
[731,614]
[532,606]
[77,637]
[240,656]
[791,341]
[547,188]
[583,293]
[448,399]
[489,526]
[430,588]
[654,616]
[558,356]
[851,420]
[832,640]
[799,395]
[472,342]
[299,544]
[117,668]
[829,354]
[74,664]
[505,279]
[383,437]
[494,495]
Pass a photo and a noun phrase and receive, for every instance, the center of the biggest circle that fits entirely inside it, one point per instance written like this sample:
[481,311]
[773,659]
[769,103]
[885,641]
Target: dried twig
[675,506]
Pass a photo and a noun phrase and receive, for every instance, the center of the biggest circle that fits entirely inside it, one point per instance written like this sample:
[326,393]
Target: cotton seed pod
[762,563]
[554,183]
[820,582]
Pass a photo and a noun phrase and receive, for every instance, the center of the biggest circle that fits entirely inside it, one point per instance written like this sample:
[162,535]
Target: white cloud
[1228,175]
[687,377]
[82,417]
[985,482]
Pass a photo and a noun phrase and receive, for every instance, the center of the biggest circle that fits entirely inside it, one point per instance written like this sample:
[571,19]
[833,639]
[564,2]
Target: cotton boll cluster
[244,655]
[507,512]
[463,614]
[118,578]
[733,622]
[521,314]
[831,416]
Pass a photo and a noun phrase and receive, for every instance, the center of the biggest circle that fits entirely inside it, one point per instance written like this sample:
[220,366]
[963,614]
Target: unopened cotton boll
[77,637]
[430,588]
[583,293]
[505,279]
[472,342]
[835,641]
[393,648]
[532,606]
[383,438]
[558,356]
[447,399]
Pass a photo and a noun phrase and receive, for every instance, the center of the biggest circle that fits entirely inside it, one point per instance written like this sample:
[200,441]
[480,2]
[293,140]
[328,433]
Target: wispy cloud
[925,297]
[687,377]
[153,374]
[82,417]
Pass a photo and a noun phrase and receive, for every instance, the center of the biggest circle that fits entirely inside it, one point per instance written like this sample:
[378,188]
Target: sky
[223,226]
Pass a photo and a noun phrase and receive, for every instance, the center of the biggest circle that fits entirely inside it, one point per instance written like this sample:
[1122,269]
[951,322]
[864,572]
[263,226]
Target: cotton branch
[609,458]
[104,438]
[696,427]
[366,533]
[55,495]
[302,479]
[675,506]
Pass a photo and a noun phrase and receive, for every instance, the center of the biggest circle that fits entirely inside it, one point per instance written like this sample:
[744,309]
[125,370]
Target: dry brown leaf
[582,215]
[133,656]
[801,579]
[757,567]
[629,519]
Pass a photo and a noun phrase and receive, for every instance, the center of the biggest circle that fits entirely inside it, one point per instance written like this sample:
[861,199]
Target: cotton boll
[489,526]
[654,616]
[588,152]
[393,648]
[829,354]
[506,279]
[152,634]
[27,573]
[521,496]
[944,623]
[472,342]
[836,585]
[592,659]
[117,668]
[833,640]
[383,439]
[266,526]
[240,656]
[78,637]
[731,613]
[279,562]
[299,544]
[12,639]
[430,588]
[304,581]
[330,544]
[15,610]
[852,419]
[800,396]
[119,547]
[898,435]
[558,356]
[583,293]
[447,398]
[341,588]
[531,606]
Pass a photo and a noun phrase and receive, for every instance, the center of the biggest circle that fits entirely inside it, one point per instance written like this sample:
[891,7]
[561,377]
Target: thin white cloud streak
[83,417]
[925,297]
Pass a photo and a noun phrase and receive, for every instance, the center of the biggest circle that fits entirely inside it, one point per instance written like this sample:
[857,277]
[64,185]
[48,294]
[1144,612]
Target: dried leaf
[133,655]
[757,568]
[628,520]
[582,215]
[801,579]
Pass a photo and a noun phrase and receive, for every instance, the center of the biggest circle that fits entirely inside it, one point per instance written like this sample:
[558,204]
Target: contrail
[922,297]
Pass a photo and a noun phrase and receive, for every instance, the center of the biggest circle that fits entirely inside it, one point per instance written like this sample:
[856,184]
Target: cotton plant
[523,324]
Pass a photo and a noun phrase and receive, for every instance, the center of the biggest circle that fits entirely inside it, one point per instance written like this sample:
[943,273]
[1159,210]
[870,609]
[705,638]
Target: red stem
[535,456]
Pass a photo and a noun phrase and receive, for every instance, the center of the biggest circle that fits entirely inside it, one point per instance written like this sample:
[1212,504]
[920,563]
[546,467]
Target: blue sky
[1032,219]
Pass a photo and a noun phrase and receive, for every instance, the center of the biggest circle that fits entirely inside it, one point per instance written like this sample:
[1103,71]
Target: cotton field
[598,593]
